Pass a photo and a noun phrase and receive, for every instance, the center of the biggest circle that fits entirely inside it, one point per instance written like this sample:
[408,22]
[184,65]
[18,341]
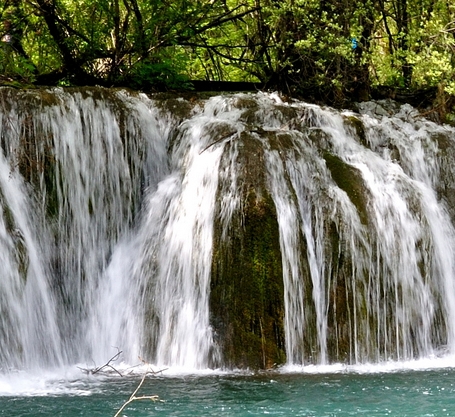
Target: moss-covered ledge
[350,180]
[246,301]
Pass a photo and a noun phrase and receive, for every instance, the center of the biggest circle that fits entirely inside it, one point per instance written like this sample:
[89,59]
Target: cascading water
[203,235]
[26,302]
[84,179]
[176,241]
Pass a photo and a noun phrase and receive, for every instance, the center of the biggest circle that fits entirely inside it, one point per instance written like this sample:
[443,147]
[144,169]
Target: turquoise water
[400,393]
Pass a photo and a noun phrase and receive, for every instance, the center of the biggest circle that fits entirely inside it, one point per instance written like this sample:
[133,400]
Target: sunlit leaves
[299,46]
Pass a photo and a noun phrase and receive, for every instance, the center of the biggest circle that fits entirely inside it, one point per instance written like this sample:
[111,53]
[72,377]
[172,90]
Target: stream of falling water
[402,272]
[112,247]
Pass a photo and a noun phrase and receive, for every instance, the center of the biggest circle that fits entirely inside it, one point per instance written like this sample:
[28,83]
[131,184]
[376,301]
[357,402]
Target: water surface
[410,393]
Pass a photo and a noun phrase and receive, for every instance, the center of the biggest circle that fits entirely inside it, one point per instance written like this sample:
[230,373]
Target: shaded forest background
[326,51]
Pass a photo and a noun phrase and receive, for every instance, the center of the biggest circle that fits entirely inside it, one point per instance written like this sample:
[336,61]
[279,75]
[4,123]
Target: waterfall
[233,231]
[85,163]
[176,245]
[27,305]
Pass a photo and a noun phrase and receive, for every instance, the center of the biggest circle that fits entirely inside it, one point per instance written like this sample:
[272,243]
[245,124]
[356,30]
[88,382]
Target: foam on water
[424,364]
[72,381]
[68,381]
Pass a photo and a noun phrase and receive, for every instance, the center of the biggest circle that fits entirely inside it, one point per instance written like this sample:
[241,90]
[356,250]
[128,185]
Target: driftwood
[102,369]
[139,398]
[107,369]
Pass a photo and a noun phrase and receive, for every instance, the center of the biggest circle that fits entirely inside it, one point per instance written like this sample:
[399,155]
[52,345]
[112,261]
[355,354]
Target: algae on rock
[246,300]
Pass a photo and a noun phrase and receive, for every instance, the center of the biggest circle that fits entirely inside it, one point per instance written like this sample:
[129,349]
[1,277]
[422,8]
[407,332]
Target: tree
[13,57]
[117,42]
[329,51]
[316,49]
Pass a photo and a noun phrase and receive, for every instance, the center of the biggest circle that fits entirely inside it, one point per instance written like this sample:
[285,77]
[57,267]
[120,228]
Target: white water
[402,262]
[125,260]
[27,310]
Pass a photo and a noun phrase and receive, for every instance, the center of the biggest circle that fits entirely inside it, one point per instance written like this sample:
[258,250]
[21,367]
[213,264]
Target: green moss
[180,108]
[43,98]
[51,177]
[246,300]
[21,253]
[320,138]
[246,102]
[349,318]
[280,141]
[355,126]
[443,141]
[253,115]
[247,290]
[340,301]
[350,180]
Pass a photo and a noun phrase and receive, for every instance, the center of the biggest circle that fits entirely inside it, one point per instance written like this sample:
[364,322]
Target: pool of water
[412,393]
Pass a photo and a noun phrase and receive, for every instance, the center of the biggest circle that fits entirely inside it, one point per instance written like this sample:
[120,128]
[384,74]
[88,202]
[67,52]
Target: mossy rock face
[443,141]
[446,184]
[280,141]
[350,180]
[246,102]
[246,302]
[29,147]
[320,138]
[288,117]
[20,249]
[353,324]
[340,300]
[355,127]
[180,108]
[30,99]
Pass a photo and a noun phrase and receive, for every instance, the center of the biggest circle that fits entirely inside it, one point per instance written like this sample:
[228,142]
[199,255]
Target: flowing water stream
[117,208]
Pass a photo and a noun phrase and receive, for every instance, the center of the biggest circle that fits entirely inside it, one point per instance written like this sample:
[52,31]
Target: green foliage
[430,46]
[164,72]
[330,51]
